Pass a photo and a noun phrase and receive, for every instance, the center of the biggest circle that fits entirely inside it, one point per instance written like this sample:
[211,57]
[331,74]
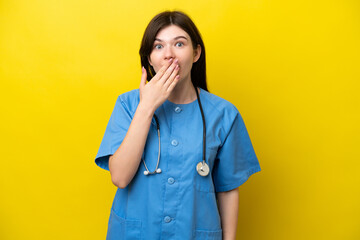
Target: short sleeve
[115,132]
[236,158]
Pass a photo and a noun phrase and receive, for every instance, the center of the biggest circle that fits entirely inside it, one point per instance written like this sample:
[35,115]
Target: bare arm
[228,209]
[125,161]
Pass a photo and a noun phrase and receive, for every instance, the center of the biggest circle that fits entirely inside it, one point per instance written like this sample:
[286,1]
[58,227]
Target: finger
[162,70]
[172,77]
[168,72]
[143,77]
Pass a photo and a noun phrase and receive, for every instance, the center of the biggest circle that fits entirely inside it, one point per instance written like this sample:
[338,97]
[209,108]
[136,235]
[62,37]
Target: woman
[176,152]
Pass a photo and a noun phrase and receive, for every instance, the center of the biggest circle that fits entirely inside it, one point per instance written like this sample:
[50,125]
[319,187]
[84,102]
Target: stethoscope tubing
[158,170]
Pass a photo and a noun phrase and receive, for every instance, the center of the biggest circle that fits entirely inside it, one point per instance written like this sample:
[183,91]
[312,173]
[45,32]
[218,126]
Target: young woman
[176,152]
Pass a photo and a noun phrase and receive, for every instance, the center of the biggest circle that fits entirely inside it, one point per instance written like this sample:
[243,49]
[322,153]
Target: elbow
[122,185]
[115,176]
[118,182]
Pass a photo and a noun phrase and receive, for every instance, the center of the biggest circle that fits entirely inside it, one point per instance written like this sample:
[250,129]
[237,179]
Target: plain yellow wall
[290,67]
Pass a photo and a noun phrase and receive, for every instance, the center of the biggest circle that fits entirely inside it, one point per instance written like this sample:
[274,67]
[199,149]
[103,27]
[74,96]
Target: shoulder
[129,96]
[220,106]
[129,100]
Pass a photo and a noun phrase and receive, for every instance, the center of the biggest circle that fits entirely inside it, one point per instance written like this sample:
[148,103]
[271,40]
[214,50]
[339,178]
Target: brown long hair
[180,19]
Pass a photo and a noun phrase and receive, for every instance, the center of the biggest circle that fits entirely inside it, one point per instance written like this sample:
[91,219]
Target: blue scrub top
[178,203]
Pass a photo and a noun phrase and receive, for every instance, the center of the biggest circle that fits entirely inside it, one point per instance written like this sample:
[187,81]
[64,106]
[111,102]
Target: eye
[179,44]
[157,46]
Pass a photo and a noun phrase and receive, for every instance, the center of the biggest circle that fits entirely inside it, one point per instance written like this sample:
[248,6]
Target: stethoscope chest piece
[202,168]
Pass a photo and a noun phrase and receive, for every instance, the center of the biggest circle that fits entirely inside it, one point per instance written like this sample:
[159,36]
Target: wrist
[146,110]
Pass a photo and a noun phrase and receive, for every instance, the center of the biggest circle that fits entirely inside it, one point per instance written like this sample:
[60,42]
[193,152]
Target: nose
[169,53]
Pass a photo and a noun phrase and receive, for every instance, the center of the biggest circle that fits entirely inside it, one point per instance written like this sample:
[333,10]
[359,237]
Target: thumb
[143,77]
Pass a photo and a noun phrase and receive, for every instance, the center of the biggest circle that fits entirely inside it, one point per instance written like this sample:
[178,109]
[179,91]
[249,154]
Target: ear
[197,53]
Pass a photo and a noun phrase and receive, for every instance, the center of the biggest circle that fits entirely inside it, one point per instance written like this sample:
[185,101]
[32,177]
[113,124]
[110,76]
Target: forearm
[228,203]
[125,161]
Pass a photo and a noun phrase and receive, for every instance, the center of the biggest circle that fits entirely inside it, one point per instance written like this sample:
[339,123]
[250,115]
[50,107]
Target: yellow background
[290,67]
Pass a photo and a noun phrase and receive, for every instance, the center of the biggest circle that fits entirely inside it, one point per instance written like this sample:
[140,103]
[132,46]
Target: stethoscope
[202,168]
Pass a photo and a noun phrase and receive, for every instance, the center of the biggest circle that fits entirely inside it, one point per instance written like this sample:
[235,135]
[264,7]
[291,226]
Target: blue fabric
[178,203]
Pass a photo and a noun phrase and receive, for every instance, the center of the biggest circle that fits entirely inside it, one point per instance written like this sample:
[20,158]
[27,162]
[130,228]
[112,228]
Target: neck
[183,93]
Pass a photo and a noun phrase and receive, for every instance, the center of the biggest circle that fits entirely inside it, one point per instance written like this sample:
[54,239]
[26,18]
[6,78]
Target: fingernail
[170,59]
[142,69]
[176,60]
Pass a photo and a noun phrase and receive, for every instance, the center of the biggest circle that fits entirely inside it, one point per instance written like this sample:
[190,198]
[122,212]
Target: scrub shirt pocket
[121,228]
[208,235]
[205,184]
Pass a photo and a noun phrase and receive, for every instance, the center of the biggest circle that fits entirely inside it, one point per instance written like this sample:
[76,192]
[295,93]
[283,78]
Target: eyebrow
[157,39]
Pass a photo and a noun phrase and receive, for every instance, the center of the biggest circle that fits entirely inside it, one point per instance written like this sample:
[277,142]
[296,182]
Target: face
[173,42]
